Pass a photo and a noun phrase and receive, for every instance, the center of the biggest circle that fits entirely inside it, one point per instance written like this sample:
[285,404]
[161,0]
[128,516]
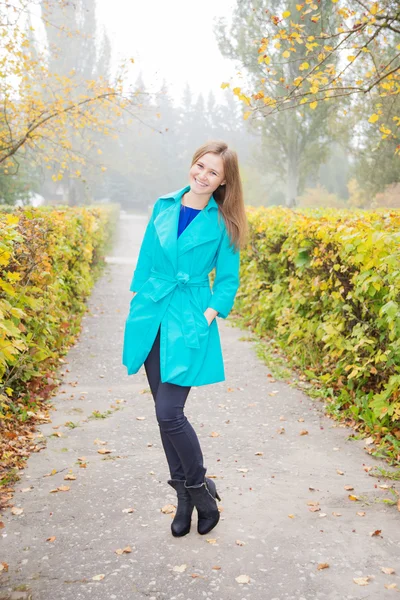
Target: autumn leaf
[388,570]
[243,579]
[180,568]
[361,580]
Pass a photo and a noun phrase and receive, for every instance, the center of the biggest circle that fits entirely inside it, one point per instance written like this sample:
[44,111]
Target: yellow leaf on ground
[361,580]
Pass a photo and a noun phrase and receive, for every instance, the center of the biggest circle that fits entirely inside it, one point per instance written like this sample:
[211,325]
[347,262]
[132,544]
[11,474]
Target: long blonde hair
[229,197]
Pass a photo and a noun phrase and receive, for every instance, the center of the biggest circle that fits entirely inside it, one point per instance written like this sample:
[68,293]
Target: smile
[201,184]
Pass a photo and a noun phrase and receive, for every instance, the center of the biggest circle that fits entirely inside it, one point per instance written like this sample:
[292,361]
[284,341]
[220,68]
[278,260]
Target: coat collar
[177,197]
[202,229]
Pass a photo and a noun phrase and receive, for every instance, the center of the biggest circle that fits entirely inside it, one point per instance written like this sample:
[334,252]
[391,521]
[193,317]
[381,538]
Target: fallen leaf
[242,470]
[3,566]
[291,516]
[125,550]
[303,432]
[98,577]
[390,586]
[314,508]
[361,580]
[376,532]
[339,472]
[336,514]
[168,508]
[259,453]
[97,441]
[51,539]
[128,510]
[240,543]
[388,570]
[280,430]
[312,503]
[28,489]
[352,497]
[384,486]
[301,420]
[214,434]
[348,487]
[282,418]
[211,540]
[322,566]
[69,476]
[180,568]
[322,515]
[104,451]
[369,440]
[216,568]
[17,511]
[242,579]
[361,513]
[140,418]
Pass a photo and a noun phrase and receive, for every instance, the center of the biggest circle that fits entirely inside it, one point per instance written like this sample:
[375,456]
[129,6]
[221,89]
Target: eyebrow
[215,171]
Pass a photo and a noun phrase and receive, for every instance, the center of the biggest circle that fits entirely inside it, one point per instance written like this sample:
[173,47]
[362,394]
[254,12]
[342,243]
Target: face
[207,174]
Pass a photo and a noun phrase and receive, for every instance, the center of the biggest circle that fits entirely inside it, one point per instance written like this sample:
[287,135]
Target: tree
[43,110]
[346,57]
[293,145]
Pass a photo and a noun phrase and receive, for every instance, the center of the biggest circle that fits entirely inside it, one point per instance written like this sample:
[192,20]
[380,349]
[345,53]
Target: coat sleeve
[226,280]
[145,258]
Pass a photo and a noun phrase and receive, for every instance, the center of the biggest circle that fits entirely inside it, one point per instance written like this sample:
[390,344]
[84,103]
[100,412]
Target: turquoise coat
[171,279]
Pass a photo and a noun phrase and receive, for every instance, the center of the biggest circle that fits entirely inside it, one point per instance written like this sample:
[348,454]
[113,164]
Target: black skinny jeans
[179,439]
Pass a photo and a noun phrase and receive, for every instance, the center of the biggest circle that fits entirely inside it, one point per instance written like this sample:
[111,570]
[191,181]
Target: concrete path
[284,509]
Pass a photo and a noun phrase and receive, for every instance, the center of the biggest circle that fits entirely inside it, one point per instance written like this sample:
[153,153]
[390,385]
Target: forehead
[212,161]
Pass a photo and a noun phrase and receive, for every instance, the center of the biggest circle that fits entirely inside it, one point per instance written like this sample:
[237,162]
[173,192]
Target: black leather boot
[203,496]
[181,524]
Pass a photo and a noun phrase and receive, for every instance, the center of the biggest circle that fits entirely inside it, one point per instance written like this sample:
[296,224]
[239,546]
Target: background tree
[293,145]
[343,57]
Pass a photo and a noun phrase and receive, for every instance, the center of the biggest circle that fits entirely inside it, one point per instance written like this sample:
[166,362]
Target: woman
[171,327]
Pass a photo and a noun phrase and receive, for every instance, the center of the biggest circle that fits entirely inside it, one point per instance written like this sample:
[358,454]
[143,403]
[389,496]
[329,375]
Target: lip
[199,183]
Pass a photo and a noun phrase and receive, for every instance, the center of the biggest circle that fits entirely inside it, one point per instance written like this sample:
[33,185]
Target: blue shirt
[186,215]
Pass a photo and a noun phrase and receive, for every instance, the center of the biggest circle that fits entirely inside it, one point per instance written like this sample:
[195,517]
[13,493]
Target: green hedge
[49,260]
[325,284]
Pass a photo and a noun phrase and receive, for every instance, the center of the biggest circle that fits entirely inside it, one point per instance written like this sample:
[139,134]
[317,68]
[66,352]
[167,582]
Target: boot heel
[217,495]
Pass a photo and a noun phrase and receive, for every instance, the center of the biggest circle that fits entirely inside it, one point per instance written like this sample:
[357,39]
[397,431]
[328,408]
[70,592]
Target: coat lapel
[201,230]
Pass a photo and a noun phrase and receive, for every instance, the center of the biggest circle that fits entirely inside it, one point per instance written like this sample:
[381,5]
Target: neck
[195,200]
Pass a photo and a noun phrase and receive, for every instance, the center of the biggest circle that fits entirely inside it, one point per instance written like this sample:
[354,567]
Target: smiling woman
[171,326]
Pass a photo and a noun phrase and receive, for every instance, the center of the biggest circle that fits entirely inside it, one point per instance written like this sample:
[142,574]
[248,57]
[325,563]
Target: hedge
[49,260]
[325,284]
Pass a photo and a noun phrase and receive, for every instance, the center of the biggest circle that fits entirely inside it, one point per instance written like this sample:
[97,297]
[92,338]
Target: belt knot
[182,278]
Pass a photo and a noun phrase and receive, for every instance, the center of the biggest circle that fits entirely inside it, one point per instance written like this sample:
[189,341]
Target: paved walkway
[269,477]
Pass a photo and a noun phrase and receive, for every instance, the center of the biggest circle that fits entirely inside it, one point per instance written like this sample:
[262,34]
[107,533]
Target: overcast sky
[170,40]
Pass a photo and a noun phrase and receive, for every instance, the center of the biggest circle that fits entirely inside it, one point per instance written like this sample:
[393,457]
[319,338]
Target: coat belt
[182,280]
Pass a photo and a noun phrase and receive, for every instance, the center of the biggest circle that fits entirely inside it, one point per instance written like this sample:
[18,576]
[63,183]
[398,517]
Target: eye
[212,173]
[199,165]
